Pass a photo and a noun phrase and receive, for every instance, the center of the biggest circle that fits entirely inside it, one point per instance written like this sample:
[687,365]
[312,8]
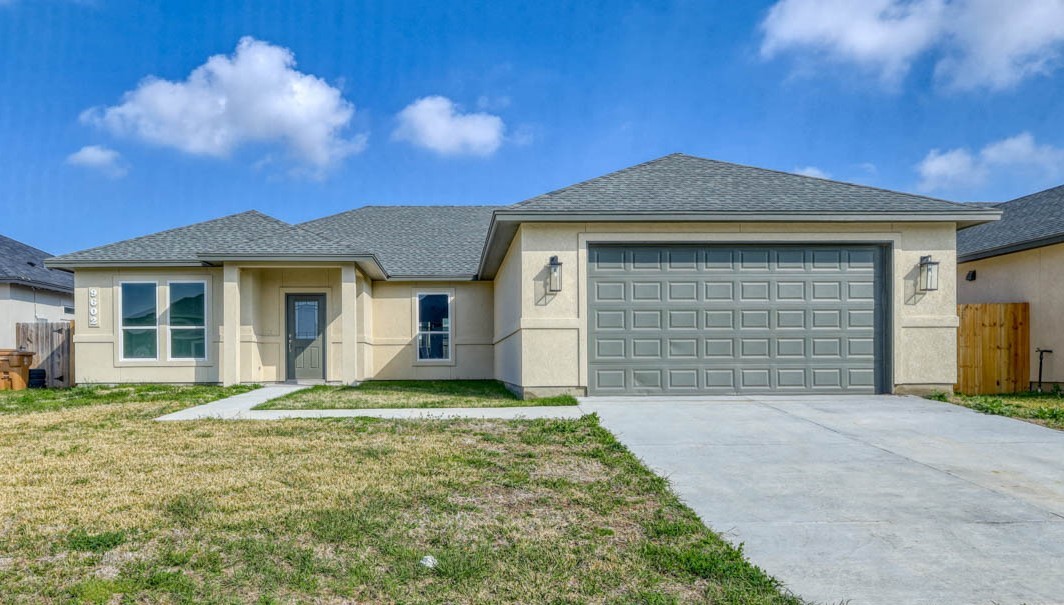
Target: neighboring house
[1021,259]
[680,275]
[29,291]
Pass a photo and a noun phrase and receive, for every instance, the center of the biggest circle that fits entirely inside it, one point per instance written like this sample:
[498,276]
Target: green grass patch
[1043,408]
[410,394]
[80,540]
[172,395]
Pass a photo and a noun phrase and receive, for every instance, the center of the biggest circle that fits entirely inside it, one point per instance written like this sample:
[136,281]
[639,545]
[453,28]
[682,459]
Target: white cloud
[1017,156]
[976,43]
[253,96]
[435,123]
[812,171]
[97,157]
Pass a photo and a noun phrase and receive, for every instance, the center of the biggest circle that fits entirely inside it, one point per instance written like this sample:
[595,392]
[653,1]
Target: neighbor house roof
[22,264]
[469,241]
[1031,221]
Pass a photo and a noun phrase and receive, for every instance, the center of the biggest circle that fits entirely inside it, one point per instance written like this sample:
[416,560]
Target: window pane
[138,343]
[187,305]
[138,304]
[433,346]
[433,313]
[188,343]
[306,319]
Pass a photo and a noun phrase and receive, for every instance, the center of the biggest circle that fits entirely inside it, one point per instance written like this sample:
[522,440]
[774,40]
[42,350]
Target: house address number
[94,308]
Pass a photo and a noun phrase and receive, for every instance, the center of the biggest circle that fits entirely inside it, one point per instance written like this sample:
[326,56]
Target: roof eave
[39,285]
[1011,248]
[72,264]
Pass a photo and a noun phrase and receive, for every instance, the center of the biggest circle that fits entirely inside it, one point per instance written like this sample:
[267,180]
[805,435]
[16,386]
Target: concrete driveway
[868,499]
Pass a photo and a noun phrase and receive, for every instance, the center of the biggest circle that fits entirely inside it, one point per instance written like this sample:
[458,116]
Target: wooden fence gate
[993,348]
[52,345]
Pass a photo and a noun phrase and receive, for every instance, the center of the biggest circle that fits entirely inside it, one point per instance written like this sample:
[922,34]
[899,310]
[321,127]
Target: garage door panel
[719,319]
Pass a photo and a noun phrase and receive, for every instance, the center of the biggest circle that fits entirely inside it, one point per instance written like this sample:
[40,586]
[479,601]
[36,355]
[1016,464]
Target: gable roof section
[1028,222]
[179,246]
[24,264]
[414,241]
[681,187]
[680,184]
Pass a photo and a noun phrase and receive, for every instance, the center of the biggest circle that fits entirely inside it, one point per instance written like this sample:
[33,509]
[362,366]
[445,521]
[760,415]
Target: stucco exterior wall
[393,352]
[97,349]
[553,328]
[1031,276]
[507,313]
[22,304]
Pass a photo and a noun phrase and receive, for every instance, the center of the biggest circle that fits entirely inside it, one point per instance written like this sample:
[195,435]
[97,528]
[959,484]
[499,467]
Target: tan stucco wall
[507,313]
[391,341]
[22,304]
[96,348]
[553,331]
[1031,276]
[262,333]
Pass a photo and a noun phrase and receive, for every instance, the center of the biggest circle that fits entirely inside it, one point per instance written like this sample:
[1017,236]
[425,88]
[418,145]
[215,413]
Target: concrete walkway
[239,407]
[878,500]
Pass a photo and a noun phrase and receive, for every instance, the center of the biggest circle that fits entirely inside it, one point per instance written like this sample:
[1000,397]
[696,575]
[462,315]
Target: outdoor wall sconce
[554,275]
[970,276]
[928,274]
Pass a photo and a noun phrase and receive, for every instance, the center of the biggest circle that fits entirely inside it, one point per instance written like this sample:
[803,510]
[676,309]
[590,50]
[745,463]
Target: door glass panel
[306,319]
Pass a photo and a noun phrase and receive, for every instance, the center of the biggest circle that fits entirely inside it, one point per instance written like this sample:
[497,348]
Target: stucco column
[230,361]
[348,324]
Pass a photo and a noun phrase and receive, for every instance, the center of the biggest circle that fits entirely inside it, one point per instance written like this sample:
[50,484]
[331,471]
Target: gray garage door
[747,319]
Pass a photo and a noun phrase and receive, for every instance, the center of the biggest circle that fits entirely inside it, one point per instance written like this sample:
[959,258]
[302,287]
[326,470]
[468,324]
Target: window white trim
[449,331]
[206,321]
[121,331]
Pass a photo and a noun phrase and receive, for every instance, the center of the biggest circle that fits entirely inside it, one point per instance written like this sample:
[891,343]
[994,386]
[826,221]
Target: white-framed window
[139,320]
[187,319]
[434,326]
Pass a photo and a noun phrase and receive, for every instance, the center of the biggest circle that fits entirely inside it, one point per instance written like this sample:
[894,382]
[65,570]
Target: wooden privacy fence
[52,346]
[993,348]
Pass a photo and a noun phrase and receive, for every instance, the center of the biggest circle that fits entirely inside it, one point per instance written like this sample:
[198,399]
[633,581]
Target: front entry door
[306,336]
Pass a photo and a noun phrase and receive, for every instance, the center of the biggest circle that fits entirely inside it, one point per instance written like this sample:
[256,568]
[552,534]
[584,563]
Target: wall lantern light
[928,274]
[554,275]
[970,276]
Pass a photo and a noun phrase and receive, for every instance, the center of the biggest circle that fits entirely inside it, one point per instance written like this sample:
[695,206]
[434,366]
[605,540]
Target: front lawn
[40,400]
[1046,409]
[409,394]
[101,504]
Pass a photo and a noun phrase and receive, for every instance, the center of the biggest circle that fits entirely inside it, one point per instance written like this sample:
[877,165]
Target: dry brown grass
[101,501]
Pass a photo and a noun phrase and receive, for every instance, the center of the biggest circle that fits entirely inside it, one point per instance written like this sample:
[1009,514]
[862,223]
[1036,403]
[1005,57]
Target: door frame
[289,361]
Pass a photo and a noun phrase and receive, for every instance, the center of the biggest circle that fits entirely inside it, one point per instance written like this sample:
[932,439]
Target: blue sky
[325,107]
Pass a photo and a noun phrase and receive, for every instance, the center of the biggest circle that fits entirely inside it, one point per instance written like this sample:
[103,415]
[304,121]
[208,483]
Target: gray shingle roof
[1028,222]
[682,183]
[20,263]
[182,245]
[293,240]
[447,241]
[414,240]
